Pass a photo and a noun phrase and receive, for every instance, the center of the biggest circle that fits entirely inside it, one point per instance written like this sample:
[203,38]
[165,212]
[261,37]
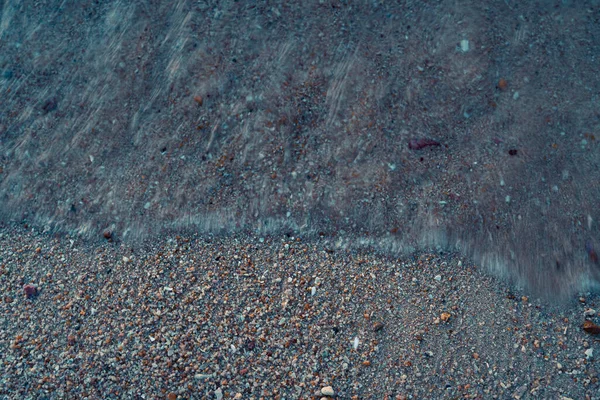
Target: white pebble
[590,312]
[355,343]
[313,291]
[438,278]
[589,353]
[464,45]
[327,391]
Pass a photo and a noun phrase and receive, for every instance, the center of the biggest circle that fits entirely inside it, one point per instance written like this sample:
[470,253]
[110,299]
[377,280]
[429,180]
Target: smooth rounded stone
[219,394]
[204,376]
[377,326]
[438,278]
[589,353]
[327,391]
[590,312]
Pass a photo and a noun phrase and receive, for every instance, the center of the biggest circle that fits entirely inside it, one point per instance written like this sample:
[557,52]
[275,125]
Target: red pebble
[418,144]
[30,290]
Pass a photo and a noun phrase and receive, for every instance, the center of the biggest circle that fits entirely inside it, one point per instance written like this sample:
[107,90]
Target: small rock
[327,391]
[591,328]
[107,235]
[50,105]
[590,312]
[520,391]
[502,84]
[366,363]
[199,100]
[237,396]
[589,353]
[172,396]
[218,394]
[445,316]
[421,143]
[377,326]
[30,291]
[438,278]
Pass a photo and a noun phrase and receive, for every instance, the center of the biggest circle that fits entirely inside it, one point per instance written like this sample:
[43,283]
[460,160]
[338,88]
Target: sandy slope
[299,116]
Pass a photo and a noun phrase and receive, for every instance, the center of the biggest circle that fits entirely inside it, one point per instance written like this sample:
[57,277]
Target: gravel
[215,317]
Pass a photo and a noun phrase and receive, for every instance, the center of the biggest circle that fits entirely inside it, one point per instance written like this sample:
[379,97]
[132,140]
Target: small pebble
[218,394]
[590,312]
[589,353]
[327,391]
[438,278]
[30,291]
[377,326]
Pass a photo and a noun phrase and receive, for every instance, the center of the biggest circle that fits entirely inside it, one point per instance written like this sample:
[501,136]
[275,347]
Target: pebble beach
[276,318]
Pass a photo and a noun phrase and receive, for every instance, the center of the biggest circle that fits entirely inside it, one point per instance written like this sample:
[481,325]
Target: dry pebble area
[276,318]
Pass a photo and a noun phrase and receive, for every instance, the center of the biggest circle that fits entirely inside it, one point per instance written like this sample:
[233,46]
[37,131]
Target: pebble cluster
[275,318]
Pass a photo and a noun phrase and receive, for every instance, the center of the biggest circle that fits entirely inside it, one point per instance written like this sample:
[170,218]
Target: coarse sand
[276,318]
